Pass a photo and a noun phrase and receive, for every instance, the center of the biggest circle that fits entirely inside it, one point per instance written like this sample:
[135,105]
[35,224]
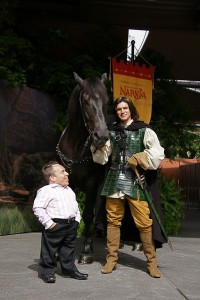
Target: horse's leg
[87,256]
[100,216]
[100,205]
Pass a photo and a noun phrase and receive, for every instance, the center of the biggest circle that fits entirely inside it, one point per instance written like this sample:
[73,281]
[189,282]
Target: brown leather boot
[149,252]
[113,239]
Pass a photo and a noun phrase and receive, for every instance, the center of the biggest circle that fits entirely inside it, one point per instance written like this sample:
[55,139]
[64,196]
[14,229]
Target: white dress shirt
[54,201]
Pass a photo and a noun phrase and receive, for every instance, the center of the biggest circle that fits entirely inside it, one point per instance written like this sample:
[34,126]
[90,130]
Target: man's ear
[51,179]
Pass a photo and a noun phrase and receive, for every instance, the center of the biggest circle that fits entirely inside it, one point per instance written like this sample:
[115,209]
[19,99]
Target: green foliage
[172,205]
[174,128]
[178,139]
[7,12]
[15,53]
[170,114]
[18,219]
[81,201]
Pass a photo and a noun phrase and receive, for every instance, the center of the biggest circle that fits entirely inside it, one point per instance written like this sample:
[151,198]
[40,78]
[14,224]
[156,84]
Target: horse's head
[93,101]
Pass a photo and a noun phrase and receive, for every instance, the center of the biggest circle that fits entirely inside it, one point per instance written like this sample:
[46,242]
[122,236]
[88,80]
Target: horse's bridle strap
[67,161]
[82,111]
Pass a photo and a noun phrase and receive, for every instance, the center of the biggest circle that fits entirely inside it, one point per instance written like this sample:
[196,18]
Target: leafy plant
[172,205]
[171,115]
[15,53]
[81,201]
[18,219]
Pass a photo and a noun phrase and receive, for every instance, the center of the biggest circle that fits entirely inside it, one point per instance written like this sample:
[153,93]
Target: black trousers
[61,239]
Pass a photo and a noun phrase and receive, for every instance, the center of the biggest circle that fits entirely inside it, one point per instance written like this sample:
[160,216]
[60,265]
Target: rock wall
[27,139]
[27,115]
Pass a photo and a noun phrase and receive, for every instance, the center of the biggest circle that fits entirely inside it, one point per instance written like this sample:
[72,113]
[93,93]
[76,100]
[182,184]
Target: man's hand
[52,226]
[138,159]
[101,155]
[132,162]
[141,180]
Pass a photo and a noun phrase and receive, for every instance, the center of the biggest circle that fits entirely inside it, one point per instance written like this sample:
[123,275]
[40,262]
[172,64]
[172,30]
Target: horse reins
[69,163]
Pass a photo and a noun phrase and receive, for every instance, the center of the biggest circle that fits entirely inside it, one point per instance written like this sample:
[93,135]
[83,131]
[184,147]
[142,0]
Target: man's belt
[64,221]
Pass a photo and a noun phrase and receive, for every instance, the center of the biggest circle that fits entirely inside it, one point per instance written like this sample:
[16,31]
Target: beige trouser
[140,212]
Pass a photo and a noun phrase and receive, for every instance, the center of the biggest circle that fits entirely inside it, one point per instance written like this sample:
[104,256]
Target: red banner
[136,82]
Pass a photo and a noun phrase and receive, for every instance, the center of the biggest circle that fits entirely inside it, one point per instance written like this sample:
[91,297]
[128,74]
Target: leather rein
[68,162]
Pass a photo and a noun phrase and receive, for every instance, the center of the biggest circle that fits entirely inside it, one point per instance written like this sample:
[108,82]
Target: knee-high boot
[150,252]
[113,239]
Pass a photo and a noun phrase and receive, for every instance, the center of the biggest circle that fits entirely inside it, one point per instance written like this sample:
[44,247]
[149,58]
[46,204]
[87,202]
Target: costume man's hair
[133,110]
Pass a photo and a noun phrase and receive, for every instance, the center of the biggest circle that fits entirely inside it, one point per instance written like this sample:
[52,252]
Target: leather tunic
[121,177]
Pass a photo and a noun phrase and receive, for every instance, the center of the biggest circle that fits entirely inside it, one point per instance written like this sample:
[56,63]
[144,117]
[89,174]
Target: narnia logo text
[132,92]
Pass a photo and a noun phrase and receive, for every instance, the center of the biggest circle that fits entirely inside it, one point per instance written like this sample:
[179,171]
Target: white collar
[129,122]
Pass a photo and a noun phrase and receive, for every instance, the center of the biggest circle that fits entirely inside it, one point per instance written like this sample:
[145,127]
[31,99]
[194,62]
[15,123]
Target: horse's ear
[78,79]
[104,77]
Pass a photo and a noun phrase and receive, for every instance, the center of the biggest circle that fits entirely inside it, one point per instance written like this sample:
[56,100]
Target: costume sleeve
[153,149]
[101,155]
[39,208]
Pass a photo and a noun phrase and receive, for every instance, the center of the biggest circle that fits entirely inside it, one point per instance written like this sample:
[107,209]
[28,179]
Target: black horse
[86,126]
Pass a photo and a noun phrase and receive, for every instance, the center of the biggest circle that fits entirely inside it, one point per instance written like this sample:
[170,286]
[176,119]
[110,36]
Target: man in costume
[132,145]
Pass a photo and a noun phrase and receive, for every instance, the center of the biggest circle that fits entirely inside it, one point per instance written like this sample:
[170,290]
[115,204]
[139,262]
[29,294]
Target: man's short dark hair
[47,170]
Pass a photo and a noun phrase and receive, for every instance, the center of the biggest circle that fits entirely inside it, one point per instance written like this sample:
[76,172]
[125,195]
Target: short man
[57,210]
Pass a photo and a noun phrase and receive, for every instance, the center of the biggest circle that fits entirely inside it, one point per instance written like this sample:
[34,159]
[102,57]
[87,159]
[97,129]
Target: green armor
[121,177]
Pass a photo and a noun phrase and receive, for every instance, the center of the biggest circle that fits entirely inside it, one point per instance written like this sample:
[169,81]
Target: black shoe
[76,275]
[48,278]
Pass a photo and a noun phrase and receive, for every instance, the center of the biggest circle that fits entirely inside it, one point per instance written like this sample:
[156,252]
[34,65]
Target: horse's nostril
[100,137]
[95,135]
[99,140]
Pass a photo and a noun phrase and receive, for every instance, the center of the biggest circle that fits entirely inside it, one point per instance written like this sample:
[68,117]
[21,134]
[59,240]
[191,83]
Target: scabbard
[150,202]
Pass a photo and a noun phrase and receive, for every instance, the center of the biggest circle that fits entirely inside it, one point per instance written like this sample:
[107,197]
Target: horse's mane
[73,105]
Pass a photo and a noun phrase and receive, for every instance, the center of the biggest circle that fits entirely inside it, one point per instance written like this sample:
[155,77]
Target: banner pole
[132,51]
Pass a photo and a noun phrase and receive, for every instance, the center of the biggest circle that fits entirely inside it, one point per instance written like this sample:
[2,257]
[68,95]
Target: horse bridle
[67,162]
